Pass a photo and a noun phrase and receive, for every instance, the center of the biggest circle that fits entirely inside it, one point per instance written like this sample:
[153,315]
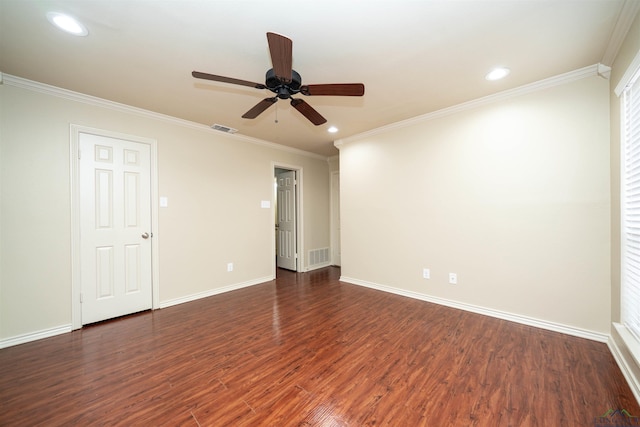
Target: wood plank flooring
[308,350]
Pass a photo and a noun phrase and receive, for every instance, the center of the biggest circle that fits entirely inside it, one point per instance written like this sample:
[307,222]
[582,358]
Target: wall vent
[319,256]
[221,128]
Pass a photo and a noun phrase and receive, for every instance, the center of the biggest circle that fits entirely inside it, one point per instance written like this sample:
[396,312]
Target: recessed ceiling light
[497,73]
[67,23]
[332,129]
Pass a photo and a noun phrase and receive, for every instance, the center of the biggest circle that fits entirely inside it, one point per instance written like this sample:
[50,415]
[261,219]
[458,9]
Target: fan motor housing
[283,90]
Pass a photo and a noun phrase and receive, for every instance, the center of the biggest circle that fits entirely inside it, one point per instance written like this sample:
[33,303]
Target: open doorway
[287,218]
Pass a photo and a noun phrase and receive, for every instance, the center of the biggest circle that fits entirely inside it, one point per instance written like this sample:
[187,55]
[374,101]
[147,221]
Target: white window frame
[629,326]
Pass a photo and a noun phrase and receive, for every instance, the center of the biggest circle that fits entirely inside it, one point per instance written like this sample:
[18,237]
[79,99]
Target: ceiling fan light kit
[285,82]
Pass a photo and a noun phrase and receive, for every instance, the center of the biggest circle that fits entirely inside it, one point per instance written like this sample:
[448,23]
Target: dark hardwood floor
[308,350]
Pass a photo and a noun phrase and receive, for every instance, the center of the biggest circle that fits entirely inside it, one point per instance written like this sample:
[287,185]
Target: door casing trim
[300,262]
[76,286]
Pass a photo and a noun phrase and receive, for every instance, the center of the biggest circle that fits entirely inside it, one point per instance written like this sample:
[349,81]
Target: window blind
[630,287]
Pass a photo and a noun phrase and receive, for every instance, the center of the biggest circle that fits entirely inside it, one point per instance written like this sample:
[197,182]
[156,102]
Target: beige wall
[512,196]
[334,163]
[214,184]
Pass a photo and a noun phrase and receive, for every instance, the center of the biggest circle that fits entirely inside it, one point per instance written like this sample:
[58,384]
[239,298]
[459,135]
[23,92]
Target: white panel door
[115,227]
[286,236]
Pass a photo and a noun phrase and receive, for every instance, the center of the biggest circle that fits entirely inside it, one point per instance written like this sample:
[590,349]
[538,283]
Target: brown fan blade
[281,49]
[308,111]
[334,89]
[259,108]
[206,76]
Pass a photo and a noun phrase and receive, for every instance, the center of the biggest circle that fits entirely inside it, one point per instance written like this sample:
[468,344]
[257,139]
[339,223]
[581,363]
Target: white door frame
[286,221]
[299,217]
[76,288]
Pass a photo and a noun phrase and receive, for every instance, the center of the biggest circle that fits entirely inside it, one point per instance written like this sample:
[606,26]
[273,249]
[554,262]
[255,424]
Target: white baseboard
[212,292]
[318,266]
[530,321]
[34,336]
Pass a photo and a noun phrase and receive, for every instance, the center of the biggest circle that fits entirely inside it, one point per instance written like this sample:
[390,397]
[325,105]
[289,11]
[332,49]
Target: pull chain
[276,112]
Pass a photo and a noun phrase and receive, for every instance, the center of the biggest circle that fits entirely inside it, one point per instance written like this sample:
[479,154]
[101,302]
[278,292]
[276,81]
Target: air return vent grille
[318,256]
[225,129]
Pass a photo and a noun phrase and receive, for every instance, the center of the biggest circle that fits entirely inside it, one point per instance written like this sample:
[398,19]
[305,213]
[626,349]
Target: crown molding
[591,70]
[628,12]
[46,89]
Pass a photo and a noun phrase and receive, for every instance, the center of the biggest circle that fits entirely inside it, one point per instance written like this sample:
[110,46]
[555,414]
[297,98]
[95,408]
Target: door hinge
[79,154]
[80,297]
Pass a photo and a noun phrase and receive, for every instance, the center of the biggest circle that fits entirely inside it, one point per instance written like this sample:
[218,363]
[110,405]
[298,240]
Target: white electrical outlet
[230,266]
[426,273]
[453,278]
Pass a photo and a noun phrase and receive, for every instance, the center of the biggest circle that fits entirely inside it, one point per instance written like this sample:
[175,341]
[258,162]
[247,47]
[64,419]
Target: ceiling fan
[285,82]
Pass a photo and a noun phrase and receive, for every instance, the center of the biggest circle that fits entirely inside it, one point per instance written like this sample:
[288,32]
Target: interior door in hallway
[115,227]
[286,253]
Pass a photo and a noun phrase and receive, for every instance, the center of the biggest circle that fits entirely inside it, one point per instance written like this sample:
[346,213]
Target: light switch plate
[164,202]
[265,204]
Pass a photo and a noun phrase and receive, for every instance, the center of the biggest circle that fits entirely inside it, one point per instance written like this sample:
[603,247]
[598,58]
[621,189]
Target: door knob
[145,235]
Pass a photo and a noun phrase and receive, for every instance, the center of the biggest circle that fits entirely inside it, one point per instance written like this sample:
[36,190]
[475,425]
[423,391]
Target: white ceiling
[414,57]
